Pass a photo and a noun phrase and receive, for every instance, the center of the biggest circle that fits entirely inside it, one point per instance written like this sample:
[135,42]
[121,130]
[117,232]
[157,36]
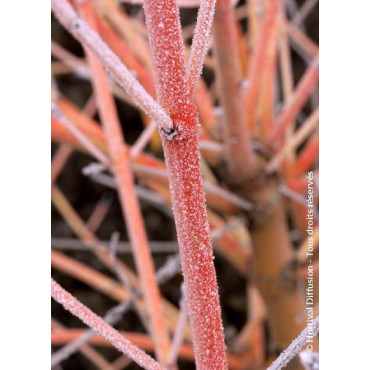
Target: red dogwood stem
[188,199]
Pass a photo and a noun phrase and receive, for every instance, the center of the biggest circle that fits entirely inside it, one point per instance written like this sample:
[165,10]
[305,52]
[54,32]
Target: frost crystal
[310,360]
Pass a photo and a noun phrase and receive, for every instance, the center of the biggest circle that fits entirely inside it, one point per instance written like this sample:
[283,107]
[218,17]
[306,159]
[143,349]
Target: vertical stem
[268,85]
[254,11]
[239,153]
[257,61]
[129,202]
[273,252]
[188,199]
[286,71]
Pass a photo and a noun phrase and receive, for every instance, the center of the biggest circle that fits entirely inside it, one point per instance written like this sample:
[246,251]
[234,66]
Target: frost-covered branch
[199,46]
[111,317]
[95,322]
[123,77]
[185,178]
[297,344]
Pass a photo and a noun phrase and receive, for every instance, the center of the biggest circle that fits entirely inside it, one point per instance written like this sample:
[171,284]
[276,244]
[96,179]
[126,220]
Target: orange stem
[238,146]
[257,61]
[124,179]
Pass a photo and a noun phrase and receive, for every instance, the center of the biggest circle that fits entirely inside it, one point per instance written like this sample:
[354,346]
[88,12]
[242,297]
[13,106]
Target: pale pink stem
[178,337]
[59,160]
[199,46]
[79,135]
[293,106]
[296,346]
[64,151]
[123,175]
[119,72]
[211,146]
[69,59]
[143,139]
[295,140]
[90,106]
[95,322]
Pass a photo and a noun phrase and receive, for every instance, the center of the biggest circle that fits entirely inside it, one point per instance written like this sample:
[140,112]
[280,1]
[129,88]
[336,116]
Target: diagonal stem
[90,39]
[95,322]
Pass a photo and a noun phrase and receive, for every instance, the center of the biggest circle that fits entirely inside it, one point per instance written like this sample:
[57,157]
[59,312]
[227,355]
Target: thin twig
[303,11]
[111,317]
[143,139]
[74,306]
[293,106]
[89,352]
[208,186]
[79,135]
[90,39]
[307,334]
[130,206]
[294,141]
[179,332]
[77,64]
[199,46]
[135,294]
[171,267]
[69,244]
[100,212]
[59,160]
[298,198]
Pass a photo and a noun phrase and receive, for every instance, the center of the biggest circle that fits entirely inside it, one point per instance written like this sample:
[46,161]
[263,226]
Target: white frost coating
[309,360]
[199,46]
[181,3]
[95,322]
[297,344]
[196,250]
[123,77]
[168,55]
